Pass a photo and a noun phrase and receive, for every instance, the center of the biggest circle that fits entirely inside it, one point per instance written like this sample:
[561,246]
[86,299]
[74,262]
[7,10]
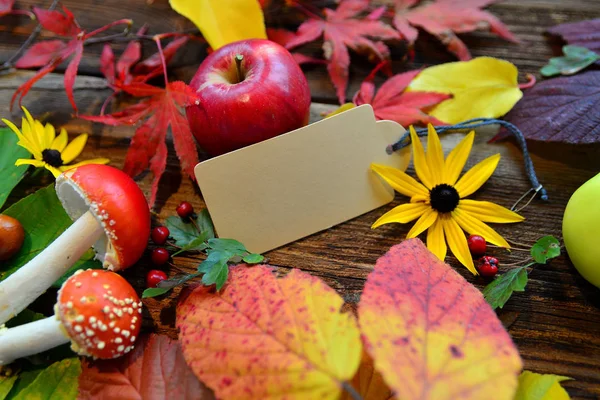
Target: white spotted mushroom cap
[100,312]
[117,203]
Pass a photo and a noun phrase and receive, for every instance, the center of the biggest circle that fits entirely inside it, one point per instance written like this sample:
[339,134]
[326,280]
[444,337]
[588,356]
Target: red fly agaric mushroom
[110,213]
[98,311]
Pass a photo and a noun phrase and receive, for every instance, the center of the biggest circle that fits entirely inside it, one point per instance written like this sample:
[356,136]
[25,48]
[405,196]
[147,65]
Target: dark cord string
[476,123]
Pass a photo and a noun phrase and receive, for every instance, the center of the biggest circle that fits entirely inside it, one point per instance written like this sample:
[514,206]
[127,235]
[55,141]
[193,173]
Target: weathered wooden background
[555,323]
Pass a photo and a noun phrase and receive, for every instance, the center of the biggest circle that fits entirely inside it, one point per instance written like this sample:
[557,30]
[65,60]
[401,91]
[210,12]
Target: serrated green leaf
[575,59]
[181,231]
[499,291]
[217,275]
[214,257]
[153,292]
[43,220]
[24,379]
[6,384]
[10,174]
[534,386]
[205,223]
[198,244]
[57,382]
[253,258]
[230,245]
[544,249]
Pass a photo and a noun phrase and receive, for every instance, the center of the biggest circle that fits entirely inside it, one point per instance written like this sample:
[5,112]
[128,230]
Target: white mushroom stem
[34,278]
[31,338]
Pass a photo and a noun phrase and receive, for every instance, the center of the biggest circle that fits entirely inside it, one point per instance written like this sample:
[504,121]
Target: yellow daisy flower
[438,201]
[49,151]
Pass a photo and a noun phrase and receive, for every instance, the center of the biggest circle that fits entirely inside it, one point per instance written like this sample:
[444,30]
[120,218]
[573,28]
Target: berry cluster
[160,255]
[487,265]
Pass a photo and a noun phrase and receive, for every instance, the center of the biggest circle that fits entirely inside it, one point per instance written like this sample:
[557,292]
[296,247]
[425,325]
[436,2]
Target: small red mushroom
[109,212]
[97,310]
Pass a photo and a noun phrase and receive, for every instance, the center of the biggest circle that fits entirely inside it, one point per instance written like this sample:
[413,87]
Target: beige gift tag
[283,189]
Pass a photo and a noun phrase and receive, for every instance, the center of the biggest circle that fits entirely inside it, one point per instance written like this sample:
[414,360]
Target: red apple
[248,91]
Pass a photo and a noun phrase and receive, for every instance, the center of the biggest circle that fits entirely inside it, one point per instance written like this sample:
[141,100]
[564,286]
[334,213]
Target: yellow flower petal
[402,214]
[457,158]
[435,239]
[476,176]
[28,129]
[86,162]
[423,223]
[74,149]
[60,142]
[458,243]
[29,161]
[435,156]
[421,167]
[40,133]
[400,181]
[23,141]
[50,135]
[55,171]
[476,227]
[489,212]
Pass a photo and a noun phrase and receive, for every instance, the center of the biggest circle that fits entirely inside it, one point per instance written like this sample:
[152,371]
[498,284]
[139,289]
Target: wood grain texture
[555,323]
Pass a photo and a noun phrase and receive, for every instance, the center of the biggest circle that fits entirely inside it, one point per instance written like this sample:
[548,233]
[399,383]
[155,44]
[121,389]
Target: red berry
[154,277]
[160,234]
[477,245]
[185,210]
[487,269]
[159,256]
[490,260]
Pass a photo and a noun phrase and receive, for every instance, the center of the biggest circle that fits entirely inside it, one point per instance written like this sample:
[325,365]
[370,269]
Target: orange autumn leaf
[262,337]
[431,333]
[368,383]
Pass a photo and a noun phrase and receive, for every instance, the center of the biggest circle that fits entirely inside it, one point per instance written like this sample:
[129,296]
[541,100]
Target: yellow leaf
[484,87]
[534,386]
[341,109]
[267,338]
[224,21]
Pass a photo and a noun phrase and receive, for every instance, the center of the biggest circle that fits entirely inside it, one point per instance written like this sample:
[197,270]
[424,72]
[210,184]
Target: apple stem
[238,66]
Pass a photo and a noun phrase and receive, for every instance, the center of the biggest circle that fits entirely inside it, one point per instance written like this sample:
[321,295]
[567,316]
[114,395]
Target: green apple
[581,230]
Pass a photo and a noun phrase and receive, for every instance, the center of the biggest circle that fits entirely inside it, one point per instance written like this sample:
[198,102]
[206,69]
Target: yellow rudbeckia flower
[438,201]
[49,151]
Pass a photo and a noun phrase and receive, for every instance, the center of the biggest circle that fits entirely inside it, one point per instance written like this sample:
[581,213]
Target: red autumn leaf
[583,33]
[393,103]
[62,24]
[565,109]
[283,37]
[154,370]
[267,338]
[152,66]
[6,6]
[341,30]
[148,148]
[445,18]
[431,333]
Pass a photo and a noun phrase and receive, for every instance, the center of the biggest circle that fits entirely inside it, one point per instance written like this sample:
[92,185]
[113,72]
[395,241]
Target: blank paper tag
[283,189]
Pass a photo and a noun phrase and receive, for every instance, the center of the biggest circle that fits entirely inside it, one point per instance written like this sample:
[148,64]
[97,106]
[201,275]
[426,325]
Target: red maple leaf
[162,108]
[6,6]
[51,53]
[391,102]
[283,37]
[445,18]
[341,30]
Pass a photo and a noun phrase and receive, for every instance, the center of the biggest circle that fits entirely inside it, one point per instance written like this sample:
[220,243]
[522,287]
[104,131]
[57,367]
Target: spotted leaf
[432,334]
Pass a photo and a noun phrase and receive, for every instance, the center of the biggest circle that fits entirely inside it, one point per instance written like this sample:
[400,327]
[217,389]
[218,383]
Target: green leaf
[24,379]
[499,291]
[574,60]
[217,275]
[58,381]
[182,232]
[153,292]
[544,249]
[230,245]
[10,174]
[205,223]
[253,258]
[214,257]
[6,384]
[43,220]
[198,244]
[533,386]
[26,316]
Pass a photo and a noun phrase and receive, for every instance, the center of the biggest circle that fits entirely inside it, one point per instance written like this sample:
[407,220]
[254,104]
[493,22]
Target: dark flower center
[444,198]
[52,157]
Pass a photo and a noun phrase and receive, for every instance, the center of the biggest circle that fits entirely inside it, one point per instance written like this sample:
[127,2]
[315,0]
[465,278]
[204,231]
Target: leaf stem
[530,83]
[351,391]
[32,37]
[162,58]
[518,263]
[129,23]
